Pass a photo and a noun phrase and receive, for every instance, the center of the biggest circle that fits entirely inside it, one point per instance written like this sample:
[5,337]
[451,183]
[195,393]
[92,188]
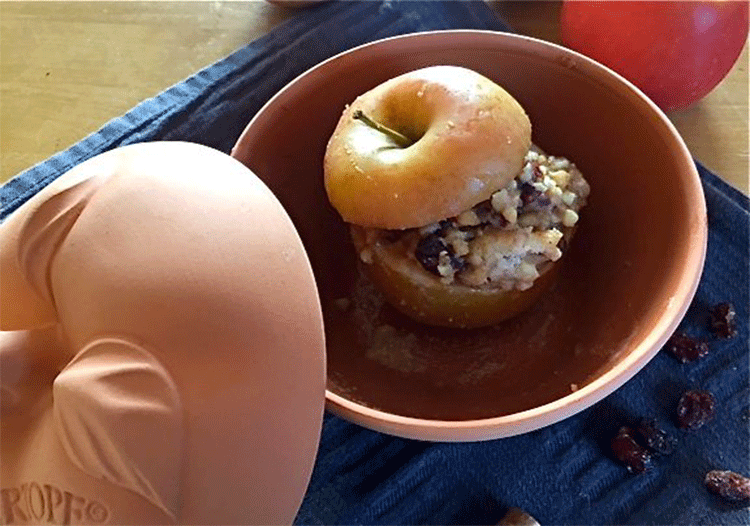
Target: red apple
[675,52]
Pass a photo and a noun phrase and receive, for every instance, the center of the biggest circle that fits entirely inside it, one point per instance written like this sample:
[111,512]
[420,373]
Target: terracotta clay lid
[187,367]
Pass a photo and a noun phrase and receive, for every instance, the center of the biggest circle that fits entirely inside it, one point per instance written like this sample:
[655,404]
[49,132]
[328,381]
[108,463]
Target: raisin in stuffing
[630,452]
[543,200]
[694,409]
[728,485]
[684,348]
[428,252]
[529,193]
[722,320]
[483,211]
[443,226]
[487,215]
[656,439]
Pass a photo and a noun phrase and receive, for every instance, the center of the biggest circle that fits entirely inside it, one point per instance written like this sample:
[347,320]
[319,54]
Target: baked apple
[457,218]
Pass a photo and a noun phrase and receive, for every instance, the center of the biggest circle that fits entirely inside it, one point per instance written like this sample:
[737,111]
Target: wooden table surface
[66,68]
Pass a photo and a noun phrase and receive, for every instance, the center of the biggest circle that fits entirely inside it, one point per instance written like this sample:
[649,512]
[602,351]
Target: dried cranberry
[656,439]
[722,320]
[685,348]
[694,409]
[629,452]
[728,485]
[428,252]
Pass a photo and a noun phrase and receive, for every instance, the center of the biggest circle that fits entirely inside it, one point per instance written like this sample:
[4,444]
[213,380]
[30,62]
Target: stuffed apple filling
[504,242]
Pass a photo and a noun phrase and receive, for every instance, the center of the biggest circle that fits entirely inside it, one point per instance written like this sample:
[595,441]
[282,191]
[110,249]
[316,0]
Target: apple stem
[400,139]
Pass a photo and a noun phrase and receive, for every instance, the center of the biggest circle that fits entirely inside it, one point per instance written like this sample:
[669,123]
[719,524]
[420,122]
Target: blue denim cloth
[563,474]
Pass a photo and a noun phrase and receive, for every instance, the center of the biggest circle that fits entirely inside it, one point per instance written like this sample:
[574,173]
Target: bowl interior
[629,274]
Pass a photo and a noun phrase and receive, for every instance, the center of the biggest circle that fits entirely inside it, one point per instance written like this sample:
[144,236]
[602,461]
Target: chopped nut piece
[460,247]
[559,163]
[510,215]
[570,218]
[366,256]
[560,177]
[527,271]
[444,267]
[501,200]
[468,218]
[527,174]
[568,198]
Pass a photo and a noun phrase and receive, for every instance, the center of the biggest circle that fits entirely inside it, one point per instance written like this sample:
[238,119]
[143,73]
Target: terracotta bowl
[625,284]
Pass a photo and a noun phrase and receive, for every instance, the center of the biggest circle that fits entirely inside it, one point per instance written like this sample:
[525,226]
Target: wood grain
[69,67]
[66,68]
